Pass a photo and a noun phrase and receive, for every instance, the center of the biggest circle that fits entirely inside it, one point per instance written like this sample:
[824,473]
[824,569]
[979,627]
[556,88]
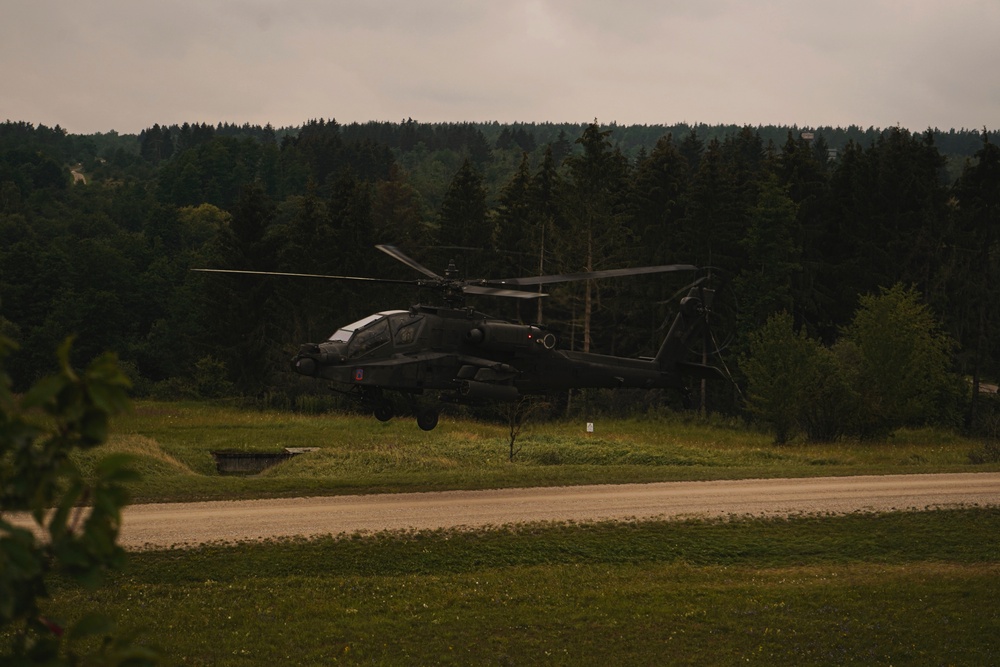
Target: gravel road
[164,525]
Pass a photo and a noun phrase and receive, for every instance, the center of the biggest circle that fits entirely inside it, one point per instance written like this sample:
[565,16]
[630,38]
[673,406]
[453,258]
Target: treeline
[804,222]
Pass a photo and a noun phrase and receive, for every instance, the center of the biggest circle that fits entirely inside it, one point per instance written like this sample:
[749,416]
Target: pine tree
[692,148]
[806,179]
[661,181]
[397,211]
[243,326]
[156,144]
[888,206]
[549,222]
[977,266]
[595,207]
[710,232]
[764,287]
[463,212]
[515,216]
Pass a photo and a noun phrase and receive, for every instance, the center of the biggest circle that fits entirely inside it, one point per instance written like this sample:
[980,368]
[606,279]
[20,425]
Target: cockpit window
[368,338]
[343,334]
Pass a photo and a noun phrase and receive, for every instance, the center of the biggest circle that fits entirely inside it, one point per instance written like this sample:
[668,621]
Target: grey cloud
[122,64]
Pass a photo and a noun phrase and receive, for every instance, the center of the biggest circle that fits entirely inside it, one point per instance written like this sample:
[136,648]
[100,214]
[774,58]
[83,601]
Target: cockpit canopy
[343,334]
[365,334]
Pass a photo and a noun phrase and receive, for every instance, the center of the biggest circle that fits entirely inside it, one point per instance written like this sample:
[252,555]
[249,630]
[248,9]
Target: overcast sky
[98,65]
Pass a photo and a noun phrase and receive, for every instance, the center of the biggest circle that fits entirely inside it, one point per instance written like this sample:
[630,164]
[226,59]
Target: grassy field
[173,442]
[892,589]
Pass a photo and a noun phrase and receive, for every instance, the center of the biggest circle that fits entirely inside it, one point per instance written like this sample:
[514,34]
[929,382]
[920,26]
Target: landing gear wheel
[427,419]
[383,411]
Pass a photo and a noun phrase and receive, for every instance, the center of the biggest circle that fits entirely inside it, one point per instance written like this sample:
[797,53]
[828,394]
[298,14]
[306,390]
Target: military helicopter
[457,354]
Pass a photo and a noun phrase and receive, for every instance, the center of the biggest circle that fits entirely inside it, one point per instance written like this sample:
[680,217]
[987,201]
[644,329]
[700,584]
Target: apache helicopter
[461,355]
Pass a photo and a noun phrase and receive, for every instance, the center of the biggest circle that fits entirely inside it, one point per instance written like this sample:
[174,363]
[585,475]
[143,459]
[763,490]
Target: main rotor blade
[307,275]
[398,254]
[495,291]
[591,275]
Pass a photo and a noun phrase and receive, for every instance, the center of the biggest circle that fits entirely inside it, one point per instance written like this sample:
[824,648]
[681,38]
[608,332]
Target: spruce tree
[975,258]
[595,209]
[463,211]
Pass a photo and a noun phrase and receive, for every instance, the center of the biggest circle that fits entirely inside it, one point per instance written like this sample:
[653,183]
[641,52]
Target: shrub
[892,368]
[900,364]
[777,368]
[829,403]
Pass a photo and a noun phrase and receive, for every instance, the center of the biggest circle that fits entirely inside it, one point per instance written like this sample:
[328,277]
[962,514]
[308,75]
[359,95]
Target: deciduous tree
[79,516]
[901,362]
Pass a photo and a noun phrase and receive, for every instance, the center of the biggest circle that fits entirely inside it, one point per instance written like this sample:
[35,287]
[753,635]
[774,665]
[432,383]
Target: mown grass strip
[959,536]
[901,588]
[662,614]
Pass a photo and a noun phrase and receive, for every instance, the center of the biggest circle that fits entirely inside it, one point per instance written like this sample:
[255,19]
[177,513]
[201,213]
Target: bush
[989,426]
[830,402]
[892,368]
[780,368]
[900,364]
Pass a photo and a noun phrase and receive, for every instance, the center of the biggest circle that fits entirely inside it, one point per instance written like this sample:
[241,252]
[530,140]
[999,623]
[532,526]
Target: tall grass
[172,443]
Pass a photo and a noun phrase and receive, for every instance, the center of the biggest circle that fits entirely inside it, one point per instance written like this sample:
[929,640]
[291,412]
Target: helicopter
[459,355]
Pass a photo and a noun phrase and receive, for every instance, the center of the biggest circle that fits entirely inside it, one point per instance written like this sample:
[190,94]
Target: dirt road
[163,525]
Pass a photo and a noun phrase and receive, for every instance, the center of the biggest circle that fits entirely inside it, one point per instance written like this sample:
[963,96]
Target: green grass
[172,444]
[899,588]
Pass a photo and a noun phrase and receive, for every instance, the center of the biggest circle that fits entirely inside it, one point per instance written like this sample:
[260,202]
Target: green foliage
[781,367]
[988,430]
[825,413]
[975,261]
[773,255]
[891,369]
[80,518]
[464,220]
[900,360]
[596,232]
[989,452]
[209,379]
[799,230]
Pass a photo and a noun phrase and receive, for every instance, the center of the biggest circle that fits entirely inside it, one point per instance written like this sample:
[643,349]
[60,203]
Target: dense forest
[98,234]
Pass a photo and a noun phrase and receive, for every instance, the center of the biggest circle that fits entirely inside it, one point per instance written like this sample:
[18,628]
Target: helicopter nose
[312,357]
[304,365]
[305,361]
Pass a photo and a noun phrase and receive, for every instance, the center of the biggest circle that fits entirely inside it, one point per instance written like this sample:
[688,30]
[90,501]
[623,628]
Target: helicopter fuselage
[464,355]
[468,356]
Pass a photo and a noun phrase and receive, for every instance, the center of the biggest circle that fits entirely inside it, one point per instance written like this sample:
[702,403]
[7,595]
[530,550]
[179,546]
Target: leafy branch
[76,520]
